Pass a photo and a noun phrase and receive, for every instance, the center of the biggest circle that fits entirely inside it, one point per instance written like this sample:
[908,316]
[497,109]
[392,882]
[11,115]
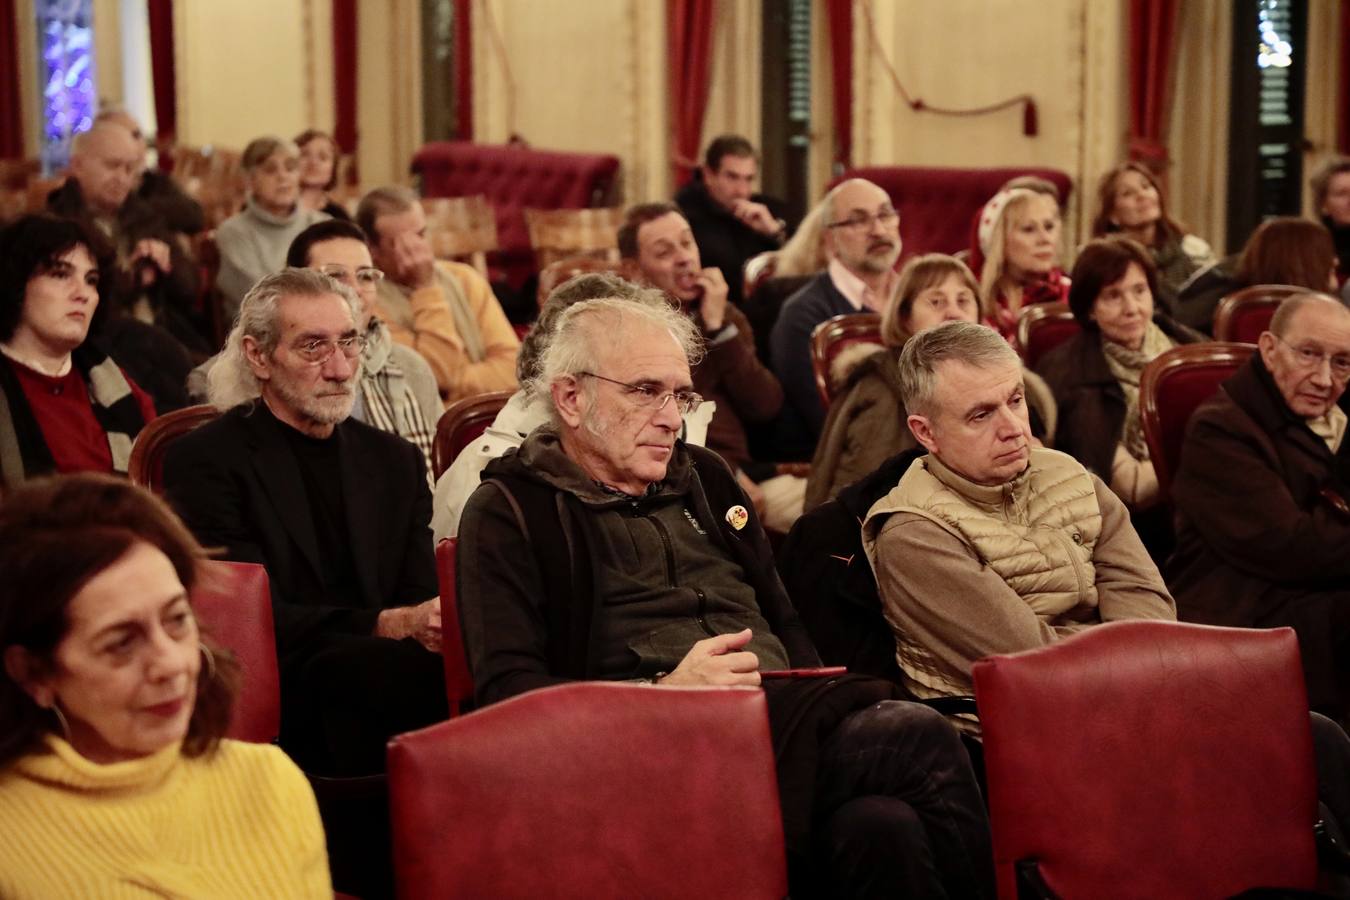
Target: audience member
[659,240]
[443,310]
[1263,526]
[867,420]
[881,790]
[805,252]
[1019,239]
[336,510]
[114,774]
[151,266]
[1282,250]
[988,545]
[253,242]
[526,411]
[175,210]
[66,406]
[1130,203]
[319,173]
[1331,199]
[862,240]
[731,223]
[1095,375]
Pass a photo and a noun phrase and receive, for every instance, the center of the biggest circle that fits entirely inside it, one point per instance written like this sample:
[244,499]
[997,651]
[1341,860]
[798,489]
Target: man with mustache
[1263,529]
[336,510]
[862,241]
[988,545]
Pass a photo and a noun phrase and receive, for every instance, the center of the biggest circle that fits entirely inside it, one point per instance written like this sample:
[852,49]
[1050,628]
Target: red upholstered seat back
[146,465]
[1172,387]
[458,680]
[1041,328]
[1244,314]
[1151,760]
[591,789]
[233,602]
[513,178]
[832,337]
[463,421]
[938,205]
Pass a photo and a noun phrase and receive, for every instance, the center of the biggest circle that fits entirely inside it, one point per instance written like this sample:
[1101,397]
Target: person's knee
[914,724]
[872,823]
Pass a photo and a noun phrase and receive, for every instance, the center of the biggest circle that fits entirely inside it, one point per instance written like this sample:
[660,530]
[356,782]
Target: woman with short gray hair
[253,242]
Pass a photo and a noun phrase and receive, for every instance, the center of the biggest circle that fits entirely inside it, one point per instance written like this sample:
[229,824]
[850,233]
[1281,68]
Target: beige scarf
[1126,365]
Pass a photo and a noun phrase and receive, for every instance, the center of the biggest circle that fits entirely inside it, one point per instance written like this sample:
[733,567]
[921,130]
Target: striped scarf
[390,402]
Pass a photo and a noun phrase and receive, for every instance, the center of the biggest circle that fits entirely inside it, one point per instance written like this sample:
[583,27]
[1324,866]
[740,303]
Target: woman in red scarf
[1019,238]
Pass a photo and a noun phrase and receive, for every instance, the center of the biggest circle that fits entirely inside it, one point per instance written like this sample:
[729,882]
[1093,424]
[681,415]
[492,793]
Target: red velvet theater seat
[513,178]
[591,789]
[938,205]
[1151,760]
[233,601]
[1244,314]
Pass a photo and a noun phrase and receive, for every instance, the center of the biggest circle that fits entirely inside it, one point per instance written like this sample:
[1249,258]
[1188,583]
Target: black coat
[723,240]
[237,484]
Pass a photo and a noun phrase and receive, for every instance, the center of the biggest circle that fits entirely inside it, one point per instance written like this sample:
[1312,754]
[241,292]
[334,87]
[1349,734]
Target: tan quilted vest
[1037,531]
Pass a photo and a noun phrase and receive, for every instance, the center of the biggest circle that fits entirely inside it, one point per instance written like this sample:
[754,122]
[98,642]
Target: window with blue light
[69,95]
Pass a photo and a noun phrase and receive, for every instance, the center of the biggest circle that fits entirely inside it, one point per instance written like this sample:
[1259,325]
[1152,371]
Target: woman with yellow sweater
[114,777]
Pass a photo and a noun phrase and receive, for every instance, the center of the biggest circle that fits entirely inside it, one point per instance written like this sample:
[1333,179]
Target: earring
[61,720]
[208,662]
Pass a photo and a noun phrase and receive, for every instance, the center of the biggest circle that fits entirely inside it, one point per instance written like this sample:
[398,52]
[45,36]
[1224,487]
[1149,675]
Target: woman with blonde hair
[867,422]
[1018,236]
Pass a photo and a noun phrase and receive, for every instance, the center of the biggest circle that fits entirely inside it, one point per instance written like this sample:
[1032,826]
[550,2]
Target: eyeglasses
[1313,357]
[318,350]
[652,398]
[863,221]
[365,276]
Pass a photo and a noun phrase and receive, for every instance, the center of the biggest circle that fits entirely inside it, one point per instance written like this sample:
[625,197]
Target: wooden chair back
[1041,327]
[461,228]
[557,234]
[831,337]
[462,421]
[146,466]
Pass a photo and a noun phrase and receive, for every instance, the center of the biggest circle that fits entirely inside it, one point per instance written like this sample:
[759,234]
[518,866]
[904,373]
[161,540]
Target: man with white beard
[336,510]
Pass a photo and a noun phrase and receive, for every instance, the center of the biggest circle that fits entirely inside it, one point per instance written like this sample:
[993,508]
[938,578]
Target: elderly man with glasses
[862,241]
[1263,496]
[606,548]
[338,513]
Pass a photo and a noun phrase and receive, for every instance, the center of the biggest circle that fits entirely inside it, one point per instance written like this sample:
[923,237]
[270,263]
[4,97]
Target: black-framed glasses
[653,398]
[320,349]
[861,221]
[364,276]
[1313,357]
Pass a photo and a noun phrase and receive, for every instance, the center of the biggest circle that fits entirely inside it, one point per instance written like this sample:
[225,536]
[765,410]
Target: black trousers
[342,702]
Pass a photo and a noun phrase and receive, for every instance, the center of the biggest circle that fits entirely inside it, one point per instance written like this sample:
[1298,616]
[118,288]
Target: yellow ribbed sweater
[241,822]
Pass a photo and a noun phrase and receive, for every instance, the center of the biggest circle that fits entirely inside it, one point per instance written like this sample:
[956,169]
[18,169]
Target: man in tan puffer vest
[988,545]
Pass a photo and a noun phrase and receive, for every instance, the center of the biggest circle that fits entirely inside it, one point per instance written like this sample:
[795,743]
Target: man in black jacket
[731,222]
[606,549]
[336,510]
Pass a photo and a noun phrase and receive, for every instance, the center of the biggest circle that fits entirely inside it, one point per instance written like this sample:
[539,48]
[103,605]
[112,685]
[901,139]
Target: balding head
[1307,351]
[862,230]
[105,161]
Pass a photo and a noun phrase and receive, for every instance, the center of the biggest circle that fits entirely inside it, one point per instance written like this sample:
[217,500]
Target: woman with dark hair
[867,422]
[1282,250]
[1130,203]
[318,173]
[114,777]
[67,406]
[1095,375]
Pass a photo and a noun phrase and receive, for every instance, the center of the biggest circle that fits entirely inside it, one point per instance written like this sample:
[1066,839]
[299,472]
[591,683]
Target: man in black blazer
[337,511]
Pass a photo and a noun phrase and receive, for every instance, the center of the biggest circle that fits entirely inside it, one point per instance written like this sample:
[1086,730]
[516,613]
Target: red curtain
[344,74]
[1153,25]
[164,78]
[464,70]
[840,16]
[689,29]
[11,114]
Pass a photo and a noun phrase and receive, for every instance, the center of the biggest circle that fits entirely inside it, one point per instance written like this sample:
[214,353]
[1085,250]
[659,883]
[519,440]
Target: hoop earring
[208,662]
[61,720]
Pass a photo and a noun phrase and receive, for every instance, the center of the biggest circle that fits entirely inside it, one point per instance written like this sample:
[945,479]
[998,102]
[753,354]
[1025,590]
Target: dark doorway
[785,136]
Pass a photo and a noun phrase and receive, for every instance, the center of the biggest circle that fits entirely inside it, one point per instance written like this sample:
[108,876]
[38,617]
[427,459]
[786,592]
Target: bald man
[178,211]
[862,242]
[157,277]
[1263,522]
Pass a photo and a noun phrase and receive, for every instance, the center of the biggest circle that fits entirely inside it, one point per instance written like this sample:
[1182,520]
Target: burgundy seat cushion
[1152,759]
[513,178]
[938,205]
[233,602]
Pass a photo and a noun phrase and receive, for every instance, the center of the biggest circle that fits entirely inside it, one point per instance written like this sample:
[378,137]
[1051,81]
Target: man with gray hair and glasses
[1263,496]
[606,548]
[337,511]
[988,544]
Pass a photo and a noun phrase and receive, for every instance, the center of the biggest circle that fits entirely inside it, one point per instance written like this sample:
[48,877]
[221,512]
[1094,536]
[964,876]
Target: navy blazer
[237,484]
